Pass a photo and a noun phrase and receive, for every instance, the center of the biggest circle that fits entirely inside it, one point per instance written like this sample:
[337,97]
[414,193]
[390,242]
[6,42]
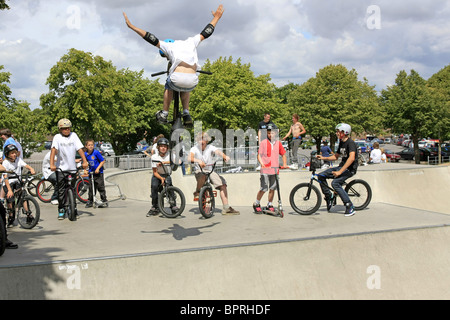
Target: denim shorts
[181,82]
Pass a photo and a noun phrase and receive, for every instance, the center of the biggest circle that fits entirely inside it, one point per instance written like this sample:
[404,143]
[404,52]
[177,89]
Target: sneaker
[174,209]
[257,208]
[187,120]
[270,208]
[329,202]
[162,117]
[54,201]
[89,204]
[104,204]
[61,214]
[230,211]
[10,245]
[349,210]
[152,212]
[293,166]
[10,222]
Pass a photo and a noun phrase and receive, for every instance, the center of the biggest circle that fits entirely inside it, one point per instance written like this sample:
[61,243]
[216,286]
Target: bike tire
[360,193]
[2,237]
[206,202]
[169,198]
[45,190]
[28,219]
[32,186]
[82,189]
[70,208]
[300,201]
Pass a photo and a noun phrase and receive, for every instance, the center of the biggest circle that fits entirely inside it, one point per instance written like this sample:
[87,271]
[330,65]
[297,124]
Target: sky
[289,39]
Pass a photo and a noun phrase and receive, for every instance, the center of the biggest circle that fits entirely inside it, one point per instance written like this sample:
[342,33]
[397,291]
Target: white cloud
[290,39]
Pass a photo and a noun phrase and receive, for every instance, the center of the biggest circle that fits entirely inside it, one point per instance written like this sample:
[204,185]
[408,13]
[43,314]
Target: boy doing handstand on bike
[347,168]
[182,55]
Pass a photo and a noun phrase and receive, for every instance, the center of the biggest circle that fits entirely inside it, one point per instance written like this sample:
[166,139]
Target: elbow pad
[208,31]
[150,38]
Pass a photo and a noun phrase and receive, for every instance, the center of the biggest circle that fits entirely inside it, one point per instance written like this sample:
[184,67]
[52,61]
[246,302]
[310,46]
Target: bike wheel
[45,190]
[305,200]
[28,212]
[170,198]
[206,202]
[70,206]
[31,186]
[359,193]
[82,190]
[2,237]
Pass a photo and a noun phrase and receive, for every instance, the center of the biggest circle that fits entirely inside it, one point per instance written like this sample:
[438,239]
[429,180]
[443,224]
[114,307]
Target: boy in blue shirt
[96,162]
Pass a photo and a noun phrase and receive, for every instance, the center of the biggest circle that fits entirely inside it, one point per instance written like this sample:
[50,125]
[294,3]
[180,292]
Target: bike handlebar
[166,72]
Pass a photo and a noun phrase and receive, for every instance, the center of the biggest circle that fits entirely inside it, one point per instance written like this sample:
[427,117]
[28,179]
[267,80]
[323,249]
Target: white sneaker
[293,166]
[54,202]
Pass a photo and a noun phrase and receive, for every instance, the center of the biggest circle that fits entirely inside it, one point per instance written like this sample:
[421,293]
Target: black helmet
[9,148]
[162,141]
[271,127]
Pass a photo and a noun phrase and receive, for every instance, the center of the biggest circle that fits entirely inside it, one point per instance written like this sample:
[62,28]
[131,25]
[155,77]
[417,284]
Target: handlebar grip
[158,73]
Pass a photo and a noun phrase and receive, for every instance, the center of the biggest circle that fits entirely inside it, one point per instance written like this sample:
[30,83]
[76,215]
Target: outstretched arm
[209,29]
[144,34]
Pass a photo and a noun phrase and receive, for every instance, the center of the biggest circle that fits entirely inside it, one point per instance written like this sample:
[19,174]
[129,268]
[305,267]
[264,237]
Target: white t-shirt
[181,51]
[46,172]
[207,156]
[157,157]
[15,166]
[67,148]
[375,155]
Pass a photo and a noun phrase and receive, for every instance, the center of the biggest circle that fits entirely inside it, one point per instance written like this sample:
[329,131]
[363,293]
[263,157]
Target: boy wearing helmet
[13,163]
[65,145]
[160,175]
[184,64]
[347,168]
[96,162]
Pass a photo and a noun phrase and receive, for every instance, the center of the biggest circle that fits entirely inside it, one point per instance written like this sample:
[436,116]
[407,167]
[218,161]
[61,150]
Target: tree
[17,116]
[410,107]
[439,85]
[233,98]
[101,102]
[3,5]
[336,95]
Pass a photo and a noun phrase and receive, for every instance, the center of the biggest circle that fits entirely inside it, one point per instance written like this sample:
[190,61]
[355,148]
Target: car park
[408,154]
[363,146]
[107,149]
[392,156]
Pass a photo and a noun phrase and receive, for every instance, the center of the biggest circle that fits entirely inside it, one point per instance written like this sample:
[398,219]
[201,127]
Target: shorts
[268,181]
[181,82]
[216,180]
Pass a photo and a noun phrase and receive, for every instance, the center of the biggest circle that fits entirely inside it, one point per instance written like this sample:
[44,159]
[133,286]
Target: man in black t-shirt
[263,126]
[347,168]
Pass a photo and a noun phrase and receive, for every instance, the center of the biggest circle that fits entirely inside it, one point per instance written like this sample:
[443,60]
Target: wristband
[208,31]
[150,38]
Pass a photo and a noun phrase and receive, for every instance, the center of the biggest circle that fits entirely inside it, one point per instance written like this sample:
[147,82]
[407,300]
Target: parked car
[392,156]
[445,151]
[363,146]
[408,154]
[107,149]
[387,140]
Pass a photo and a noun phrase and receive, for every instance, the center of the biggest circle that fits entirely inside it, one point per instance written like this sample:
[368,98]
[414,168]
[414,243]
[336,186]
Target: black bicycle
[305,198]
[177,114]
[171,200]
[70,206]
[2,237]
[24,206]
[207,195]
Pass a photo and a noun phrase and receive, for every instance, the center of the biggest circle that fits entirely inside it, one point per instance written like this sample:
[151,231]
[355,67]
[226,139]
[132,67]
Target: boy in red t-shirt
[268,156]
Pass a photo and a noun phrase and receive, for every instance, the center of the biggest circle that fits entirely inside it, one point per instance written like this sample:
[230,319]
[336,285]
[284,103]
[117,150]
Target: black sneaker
[187,120]
[329,201]
[89,205]
[257,208]
[11,245]
[349,210]
[161,117]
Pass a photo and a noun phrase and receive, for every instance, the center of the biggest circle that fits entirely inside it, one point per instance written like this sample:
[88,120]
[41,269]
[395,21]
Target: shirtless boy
[297,130]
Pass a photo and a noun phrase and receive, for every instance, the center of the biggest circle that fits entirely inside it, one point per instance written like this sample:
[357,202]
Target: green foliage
[336,95]
[439,85]
[233,98]
[102,102]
